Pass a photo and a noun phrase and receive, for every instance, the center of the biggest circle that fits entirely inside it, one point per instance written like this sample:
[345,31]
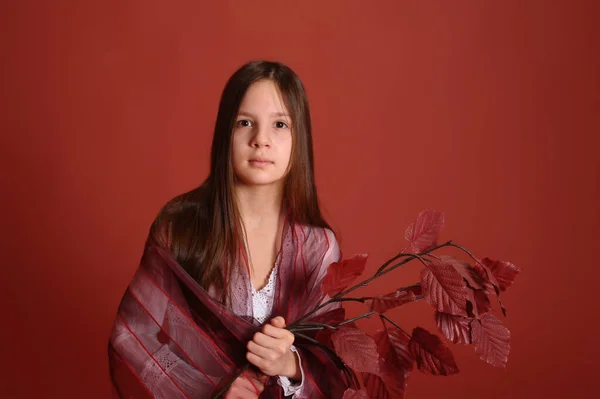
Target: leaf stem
[362,300]
[362,316]
[315,324]
[380,272]
[465,251]
[394,324]
[305,329]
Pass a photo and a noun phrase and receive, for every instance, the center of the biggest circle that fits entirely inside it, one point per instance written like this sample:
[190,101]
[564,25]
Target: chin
[260,180]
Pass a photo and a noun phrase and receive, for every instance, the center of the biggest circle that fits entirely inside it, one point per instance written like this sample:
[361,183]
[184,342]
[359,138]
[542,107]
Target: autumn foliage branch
[460,292]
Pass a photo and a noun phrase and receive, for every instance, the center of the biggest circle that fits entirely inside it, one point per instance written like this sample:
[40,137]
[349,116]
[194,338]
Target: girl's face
[262,137]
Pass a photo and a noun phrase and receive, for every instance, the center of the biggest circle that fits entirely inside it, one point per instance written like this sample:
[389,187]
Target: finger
[276,332]
[259,376]
[279,345]
[242,392]
[254,379]
[251,383]
[255,386]
[278,322]
[266,366]
[265,353]
[252,373]
[256,360]
[266,340]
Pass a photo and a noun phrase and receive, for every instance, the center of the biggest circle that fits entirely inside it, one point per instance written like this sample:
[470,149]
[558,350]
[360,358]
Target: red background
[486,111]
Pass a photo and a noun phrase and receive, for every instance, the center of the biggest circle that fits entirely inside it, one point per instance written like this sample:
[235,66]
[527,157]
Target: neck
[259,205]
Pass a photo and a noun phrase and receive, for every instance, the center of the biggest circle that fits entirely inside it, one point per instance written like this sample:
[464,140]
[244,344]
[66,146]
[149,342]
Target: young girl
[229,264]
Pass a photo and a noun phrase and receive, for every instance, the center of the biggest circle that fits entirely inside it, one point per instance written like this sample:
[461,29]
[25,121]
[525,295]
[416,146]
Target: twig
[468,253]
[394,324]
[312,324]
[362,316]
[380,271]
[362,300]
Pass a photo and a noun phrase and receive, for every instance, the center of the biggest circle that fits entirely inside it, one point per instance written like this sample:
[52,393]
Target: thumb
[278,322]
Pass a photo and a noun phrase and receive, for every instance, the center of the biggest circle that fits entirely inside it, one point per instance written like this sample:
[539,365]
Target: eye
[281,125]
[244,123]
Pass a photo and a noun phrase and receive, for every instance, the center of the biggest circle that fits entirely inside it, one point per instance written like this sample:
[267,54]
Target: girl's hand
[249,385]
[270,351]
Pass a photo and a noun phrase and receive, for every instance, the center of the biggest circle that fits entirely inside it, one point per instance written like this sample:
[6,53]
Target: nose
[261,138]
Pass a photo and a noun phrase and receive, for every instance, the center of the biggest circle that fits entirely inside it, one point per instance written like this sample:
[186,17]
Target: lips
[260,161]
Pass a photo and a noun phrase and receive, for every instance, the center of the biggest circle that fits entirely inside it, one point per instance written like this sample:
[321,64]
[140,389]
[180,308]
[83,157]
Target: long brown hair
[202,228]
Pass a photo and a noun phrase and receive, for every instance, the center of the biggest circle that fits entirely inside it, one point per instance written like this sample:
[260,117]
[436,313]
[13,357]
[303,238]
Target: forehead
[263,96]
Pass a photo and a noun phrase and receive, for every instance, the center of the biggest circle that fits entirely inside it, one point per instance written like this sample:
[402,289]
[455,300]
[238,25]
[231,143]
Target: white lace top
[262,304]
[262,300]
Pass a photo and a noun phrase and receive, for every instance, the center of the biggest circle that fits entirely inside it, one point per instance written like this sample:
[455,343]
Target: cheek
[236,157]
[287,149]
[236,149]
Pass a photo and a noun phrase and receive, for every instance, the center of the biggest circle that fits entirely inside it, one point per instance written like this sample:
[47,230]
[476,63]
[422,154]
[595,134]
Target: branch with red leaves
[460,292]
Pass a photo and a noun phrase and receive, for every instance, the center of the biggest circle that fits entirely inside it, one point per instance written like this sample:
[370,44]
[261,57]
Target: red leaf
[415,289]
[375,386]
[432,355]
[491,340]
[478,303]
[383,303]
[490,279]
[354,394]
[356,349]
[324,337]
[389,384]
[482,302]
[341,274]
[479,277]
[425,231]
[394,365]
[392,345]
[444,288]
[457,329]
[474,278]
[400,341]
[505,272]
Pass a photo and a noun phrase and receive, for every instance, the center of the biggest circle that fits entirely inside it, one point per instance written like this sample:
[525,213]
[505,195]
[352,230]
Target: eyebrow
[250,114]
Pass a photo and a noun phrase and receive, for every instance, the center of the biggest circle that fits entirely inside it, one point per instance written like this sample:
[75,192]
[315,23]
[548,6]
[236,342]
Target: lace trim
[262,300]
[167,360]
